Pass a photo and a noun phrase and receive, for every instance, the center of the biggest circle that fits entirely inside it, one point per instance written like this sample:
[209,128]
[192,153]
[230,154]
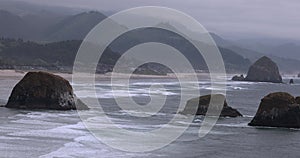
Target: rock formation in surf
[199,106]
[42,90]
[263,70]
[238,78]
[278,109]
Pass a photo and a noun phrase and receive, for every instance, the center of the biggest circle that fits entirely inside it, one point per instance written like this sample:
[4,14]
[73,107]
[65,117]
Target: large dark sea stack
[278,110]
[202,104]
[264,70]
[42,90]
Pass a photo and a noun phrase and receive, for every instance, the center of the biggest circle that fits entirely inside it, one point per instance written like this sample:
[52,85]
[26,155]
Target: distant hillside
[13,26]
[233,61]
[56,56]
[21,54]
[73,27]
[284,55]
[22,8]
[45,28]
[287,50]
[48,27]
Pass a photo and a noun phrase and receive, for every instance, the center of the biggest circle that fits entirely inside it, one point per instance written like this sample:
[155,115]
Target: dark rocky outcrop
[202,104]
[278,110]
[299,75]
[238,78]
[42,90]
[264,70]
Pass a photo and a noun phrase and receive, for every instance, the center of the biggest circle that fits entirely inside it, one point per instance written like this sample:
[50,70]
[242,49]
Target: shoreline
[203,75]
[18,73]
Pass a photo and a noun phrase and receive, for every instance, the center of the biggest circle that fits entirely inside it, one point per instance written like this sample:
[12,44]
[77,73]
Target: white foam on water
[131,112]
[96,84]
[123,93]
[36,122]
[236,88]
[248,116]
[44,114]
[89,146]
[154,83]
[63,132]
[244,124]
[220,133]
[12,138]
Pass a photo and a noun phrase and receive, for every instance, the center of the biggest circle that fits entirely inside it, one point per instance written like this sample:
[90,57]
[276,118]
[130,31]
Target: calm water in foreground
[26,133]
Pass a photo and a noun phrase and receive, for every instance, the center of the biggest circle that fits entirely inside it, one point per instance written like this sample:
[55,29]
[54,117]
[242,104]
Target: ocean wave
[244,124]
[89,146]
[123,93]
[154,83]
[63,132]
[130,112]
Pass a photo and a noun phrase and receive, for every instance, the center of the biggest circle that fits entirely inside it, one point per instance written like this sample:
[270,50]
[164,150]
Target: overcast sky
[251,18]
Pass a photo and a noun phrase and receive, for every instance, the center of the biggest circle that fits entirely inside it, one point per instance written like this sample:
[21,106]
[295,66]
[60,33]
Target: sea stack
[202,104]
[264,70]
[278,110]
[42,90]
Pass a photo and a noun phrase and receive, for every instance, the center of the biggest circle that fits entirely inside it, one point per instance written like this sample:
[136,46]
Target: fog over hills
[54,24]
[23,8]
[48,28]
[73,27]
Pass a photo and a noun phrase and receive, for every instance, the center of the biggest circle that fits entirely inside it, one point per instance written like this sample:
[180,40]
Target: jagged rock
[238,78]
[203,102]
[42,90]
[278,110]
[299,75]
[291,81]
[264,70]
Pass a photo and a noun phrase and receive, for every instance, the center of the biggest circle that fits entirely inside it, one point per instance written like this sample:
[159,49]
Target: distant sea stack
[202,104]
[263,70]
[238,78]
[42,90]
[291,81]
[278,110]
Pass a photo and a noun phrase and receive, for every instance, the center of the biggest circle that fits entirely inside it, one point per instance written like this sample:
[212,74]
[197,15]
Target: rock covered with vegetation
[42,90]
[202,104]
[278,109]
[264,70]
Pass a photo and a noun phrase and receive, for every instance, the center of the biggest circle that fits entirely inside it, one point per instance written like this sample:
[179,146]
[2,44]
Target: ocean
[42,133]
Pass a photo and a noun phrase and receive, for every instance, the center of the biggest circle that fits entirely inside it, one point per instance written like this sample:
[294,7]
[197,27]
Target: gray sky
[251,18]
